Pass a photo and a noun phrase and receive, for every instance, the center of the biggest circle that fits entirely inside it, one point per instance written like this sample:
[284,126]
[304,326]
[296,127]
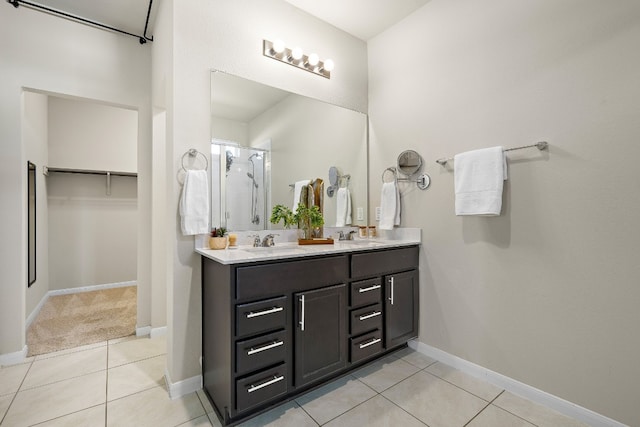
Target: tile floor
[120,383]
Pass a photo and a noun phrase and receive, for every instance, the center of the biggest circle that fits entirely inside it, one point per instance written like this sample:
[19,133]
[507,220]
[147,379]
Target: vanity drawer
[366,345]
[366,292]
[258,353]
[366,319]
[380,262]
[261,316]
[258,281]
[261,387]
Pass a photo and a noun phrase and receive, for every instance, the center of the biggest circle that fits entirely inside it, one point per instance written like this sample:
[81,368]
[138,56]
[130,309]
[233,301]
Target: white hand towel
[396,220]
[296,192]
[194,204]
[388,205]
[479,177]
[343,207]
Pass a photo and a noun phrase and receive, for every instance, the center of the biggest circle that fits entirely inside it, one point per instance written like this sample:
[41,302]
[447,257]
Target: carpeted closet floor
[72,320]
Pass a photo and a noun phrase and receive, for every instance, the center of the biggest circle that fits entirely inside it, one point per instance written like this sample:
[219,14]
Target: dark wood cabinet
[401,308]
[272,330]
[320,334]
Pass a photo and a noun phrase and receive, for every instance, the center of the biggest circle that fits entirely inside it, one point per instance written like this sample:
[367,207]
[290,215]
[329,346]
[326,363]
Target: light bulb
[296,53]
[313,60]
[329,65]
[278,46]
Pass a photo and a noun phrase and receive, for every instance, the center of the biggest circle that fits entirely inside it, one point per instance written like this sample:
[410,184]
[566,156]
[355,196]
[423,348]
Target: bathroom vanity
[278,322]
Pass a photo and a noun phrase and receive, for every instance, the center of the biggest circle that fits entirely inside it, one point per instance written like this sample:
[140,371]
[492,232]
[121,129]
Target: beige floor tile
[127,338]
[417,359]
[71,350]
[70,365]
[55,400]
[135,377]
[91,417]
[5,401]
[134,350]
[205,401]
[534,413]
[202,421]
[153,408]
[286,415]
[493,416]
[385,373]
[480,388]
[434,401]
[334,399]
[11,377]
[376,412]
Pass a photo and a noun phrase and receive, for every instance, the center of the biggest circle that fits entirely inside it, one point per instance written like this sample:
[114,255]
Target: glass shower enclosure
[239,186]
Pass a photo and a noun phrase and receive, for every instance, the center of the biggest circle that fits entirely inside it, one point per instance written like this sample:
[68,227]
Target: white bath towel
[479,177]
[194,204]
[343,207]
[297,189]
[389,206]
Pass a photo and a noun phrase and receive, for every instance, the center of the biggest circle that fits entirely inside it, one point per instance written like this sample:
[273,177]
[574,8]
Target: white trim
[143,330]
[92,288]
[158,332]
[36,311]
[14,358]
[516,387]
[184,387]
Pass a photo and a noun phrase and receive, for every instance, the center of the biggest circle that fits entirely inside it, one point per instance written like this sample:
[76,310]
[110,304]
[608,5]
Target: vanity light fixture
[296,57]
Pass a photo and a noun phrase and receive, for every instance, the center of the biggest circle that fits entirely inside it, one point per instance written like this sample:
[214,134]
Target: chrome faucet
[268,240]
[256,240]
[342,236]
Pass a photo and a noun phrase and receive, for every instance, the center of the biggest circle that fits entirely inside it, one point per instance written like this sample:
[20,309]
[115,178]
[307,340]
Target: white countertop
[289,249]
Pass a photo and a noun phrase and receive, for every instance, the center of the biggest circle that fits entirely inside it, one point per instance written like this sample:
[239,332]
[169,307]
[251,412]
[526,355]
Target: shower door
[240,186]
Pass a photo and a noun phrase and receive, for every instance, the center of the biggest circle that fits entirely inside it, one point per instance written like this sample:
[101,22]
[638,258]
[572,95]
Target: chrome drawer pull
[370,315]
[391,283]
[301,322]
[372,342]
[265,384]
[254,350]
[263,312]
[372,288]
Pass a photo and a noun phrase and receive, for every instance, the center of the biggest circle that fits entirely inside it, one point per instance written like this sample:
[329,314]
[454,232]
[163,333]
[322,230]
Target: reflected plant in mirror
[266,139]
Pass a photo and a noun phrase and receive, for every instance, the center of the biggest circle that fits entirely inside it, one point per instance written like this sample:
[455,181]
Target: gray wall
[548,292]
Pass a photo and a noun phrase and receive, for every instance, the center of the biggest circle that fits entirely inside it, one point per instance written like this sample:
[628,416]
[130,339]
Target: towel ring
[393,170]
[194,153]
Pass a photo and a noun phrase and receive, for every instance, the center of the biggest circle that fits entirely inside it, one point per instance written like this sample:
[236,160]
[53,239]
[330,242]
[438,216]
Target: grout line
[16,393]
[395,404]
[106,390]
[65,415]
[462,388]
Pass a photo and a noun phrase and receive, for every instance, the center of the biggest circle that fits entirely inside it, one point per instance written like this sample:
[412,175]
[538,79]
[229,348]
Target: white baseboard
[36,311]
[158,332]
[516,387]
[91,288]
[152,332]
[14,358]
[184,387]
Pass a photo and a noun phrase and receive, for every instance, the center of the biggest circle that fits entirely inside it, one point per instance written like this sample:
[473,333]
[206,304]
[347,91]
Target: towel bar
[542,145]
[423,181]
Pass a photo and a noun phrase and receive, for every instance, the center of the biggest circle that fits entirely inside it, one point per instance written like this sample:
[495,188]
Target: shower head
[250,175]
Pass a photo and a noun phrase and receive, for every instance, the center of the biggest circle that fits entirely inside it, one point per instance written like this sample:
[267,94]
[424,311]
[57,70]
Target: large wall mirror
[264,140]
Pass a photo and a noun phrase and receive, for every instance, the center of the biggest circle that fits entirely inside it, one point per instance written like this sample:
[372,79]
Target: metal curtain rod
[142,39]
[542,145]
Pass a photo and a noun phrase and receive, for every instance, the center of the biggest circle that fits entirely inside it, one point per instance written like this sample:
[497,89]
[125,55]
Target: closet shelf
[87,171]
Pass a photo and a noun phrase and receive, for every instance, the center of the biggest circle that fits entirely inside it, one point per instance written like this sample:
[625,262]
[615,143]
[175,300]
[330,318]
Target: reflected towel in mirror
[296,192]
[343,207]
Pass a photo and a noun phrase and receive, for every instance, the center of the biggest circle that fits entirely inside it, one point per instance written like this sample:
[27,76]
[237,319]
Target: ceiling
[363,19]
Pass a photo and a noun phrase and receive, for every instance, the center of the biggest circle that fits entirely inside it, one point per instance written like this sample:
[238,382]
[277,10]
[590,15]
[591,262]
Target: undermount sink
[359,242]
[271,249]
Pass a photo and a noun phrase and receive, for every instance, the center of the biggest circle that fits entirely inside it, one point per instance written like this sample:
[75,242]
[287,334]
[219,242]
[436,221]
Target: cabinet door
[320,333]
[401,308]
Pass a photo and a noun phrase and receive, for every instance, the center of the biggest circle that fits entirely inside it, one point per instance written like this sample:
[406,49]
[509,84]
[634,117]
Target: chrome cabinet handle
[274,344]
[275,379]
[372,288]
[368,343]
[271,310]
[370,315]
[391,283]
[302,313]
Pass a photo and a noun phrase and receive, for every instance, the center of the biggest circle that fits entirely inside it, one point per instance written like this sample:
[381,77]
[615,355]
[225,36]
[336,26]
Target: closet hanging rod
[542,145]
[142,39]
[87,172]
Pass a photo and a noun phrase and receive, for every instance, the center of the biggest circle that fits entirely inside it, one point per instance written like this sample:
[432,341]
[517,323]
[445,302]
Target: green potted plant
[218,239]
[308,219]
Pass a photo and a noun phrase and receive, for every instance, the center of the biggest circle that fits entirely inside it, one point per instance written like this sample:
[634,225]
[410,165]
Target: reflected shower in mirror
[239,185]
[300,139]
